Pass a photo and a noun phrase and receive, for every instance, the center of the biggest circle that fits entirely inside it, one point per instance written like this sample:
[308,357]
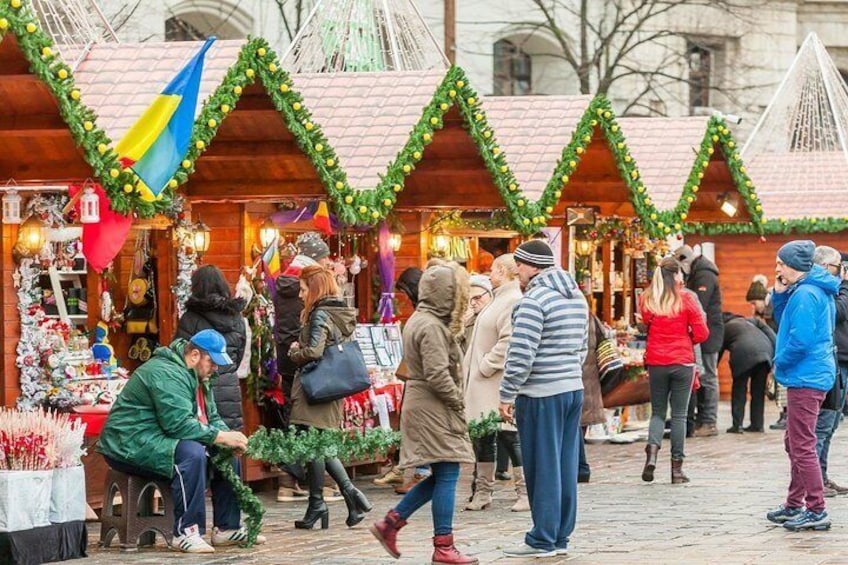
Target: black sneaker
[503,476]
[780,424]
[734,430]
[754,430]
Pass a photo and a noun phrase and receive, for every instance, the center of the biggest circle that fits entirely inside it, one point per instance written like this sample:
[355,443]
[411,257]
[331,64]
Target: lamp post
[202,237]
[268,233]
[32,236]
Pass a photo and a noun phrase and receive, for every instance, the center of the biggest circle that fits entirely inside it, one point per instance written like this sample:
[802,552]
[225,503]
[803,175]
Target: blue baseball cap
[214,344]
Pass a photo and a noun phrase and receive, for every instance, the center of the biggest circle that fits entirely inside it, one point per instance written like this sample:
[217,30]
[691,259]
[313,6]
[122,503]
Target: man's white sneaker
[222,538]
[525,550]
[191,542]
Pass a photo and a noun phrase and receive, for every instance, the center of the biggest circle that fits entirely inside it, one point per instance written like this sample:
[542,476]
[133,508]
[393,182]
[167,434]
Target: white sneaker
[222,538]
[191,542]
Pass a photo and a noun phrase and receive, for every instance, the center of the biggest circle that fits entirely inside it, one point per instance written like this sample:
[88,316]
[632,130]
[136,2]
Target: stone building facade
[702,58]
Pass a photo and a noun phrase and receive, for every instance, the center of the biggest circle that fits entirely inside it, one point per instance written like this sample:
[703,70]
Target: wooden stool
[137,522]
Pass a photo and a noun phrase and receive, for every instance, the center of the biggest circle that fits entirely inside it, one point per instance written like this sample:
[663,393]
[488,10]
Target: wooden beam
[44,124]
[228,150]
[241,191]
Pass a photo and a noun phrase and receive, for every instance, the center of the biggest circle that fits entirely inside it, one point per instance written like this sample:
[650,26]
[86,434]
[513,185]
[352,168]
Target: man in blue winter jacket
[805,364]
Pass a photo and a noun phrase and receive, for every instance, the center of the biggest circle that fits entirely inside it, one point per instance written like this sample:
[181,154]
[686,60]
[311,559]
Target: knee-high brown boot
[651,451]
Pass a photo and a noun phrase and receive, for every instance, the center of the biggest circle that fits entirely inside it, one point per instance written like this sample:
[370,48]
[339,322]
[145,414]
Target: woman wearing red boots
[433,427]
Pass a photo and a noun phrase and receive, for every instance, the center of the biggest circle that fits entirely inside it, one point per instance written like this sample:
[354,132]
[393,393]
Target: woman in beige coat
[433,424]
[483,369]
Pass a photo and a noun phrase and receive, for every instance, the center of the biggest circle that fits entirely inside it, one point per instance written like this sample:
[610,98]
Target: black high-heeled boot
[317,508]
[357,504]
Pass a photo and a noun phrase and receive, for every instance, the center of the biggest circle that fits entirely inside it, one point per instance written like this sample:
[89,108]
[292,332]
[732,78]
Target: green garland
[779,226]
[717,133]
[248,502]
[296,446]
[485,426]
[17,17]
[454,220]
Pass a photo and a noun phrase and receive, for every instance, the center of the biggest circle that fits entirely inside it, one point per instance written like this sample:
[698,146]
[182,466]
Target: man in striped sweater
[543,384]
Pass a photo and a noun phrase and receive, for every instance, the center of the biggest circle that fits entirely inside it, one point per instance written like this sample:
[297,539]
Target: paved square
[718,518]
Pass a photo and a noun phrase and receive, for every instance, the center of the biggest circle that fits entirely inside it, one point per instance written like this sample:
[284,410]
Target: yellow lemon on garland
[653,217]
[683,216]
[407,169]
[512,187]
[460,84]
[526,221]
[186,164]
[225,108]
[309,126]
[114,173]
[487,134]
[572,164]
[261,51]
[564,179]
[452,93]
[296,106]
[272,67]
[375,214]
[416,155]
[31,27]
[199,144]
[46,52]
[331,162]
[249,73]
[102,148]
[363,210]
[212,123]
[471,101]
[504,168]
[348,199]
[319,148]
[535,220]
[128,188]
[580,150]
[558,194]
[387,202]
[434,121]
[87,125]
[4,24]
[549,209]
[62,74]
[427,137]
[339,185]
[443,106]
[520,203]
[173,183]
[397,188]
[237,89]
[284,87]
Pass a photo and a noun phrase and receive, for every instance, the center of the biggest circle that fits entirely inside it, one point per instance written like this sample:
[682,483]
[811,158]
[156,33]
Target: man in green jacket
[163,426]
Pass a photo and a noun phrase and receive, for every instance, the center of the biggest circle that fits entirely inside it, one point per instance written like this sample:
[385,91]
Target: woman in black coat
[212,306]
[751,345]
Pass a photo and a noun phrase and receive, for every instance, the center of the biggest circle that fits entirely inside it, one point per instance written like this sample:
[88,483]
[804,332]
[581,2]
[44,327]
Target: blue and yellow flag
[156,144]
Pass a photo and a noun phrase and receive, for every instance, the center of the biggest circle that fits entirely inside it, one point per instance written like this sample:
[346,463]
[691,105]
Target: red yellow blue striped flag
[156,144]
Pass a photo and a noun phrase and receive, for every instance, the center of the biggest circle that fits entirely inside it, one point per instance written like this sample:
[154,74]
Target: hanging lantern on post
[12,207]
[202,238]
[268,233]
[395,241]
[32,235]
[89,207]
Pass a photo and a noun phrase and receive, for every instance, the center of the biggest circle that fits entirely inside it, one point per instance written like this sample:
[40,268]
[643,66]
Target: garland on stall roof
[779,226]
[249,504]
[717,134]
[18,18]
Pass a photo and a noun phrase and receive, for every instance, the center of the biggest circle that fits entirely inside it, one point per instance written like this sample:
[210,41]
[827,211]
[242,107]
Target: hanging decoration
[89,207]
[386,265]
[183,237]
[629,231]
[263,381]
[32,342]
[104,239]
[12,207]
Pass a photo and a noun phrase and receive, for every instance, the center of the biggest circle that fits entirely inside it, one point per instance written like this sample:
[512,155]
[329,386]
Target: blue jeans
[189,489]
[439,487]
[827,423]
[583,468]
[549,429]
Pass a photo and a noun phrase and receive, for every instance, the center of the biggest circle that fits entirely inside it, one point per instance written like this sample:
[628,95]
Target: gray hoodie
[549,338]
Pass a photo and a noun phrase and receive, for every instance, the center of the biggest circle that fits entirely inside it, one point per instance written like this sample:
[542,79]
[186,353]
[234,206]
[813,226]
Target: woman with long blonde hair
[325,318]
[676,323]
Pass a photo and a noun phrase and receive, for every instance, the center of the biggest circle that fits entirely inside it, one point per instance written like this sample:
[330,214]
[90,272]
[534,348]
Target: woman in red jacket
[675,324]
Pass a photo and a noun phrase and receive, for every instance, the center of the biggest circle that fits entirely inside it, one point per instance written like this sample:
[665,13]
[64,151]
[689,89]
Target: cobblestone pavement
[718,518]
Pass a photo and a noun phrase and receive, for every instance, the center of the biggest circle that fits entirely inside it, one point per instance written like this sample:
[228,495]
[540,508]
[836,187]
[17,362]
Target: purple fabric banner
[386,263]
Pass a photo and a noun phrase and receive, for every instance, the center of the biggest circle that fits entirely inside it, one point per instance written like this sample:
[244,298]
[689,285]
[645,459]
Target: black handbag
[339,373]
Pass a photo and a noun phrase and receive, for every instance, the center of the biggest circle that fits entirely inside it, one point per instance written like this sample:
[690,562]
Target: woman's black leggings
[509,449]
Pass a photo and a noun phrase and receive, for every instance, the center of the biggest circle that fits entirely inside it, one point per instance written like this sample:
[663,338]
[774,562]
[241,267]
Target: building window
[177,29]
[700,61]
[513,70]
